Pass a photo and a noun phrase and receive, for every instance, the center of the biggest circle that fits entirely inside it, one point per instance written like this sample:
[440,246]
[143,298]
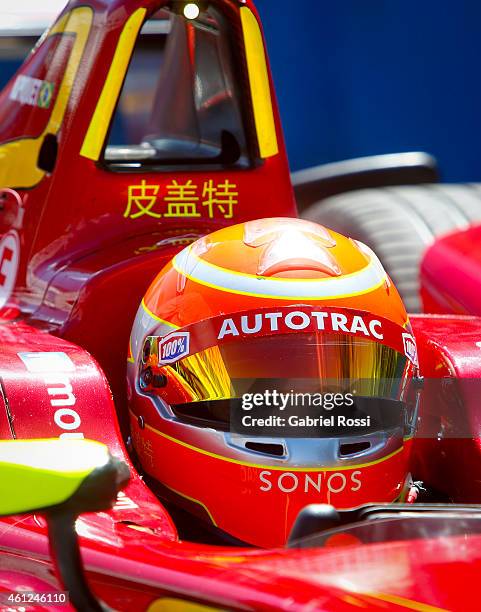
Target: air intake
[275,450]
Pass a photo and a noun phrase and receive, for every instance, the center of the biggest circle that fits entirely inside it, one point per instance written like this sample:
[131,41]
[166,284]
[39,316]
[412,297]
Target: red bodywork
[451,274]
[82,269]
[134,557]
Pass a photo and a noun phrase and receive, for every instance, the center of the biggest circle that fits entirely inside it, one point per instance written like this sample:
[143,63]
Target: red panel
[54,389]
[447,448]
[451,274]
[24,108]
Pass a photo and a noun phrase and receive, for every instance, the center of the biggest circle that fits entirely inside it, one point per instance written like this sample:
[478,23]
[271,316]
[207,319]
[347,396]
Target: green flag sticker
[45,94]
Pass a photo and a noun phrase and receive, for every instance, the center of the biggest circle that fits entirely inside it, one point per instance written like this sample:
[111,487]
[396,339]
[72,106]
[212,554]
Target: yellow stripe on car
[169,604]
[259,84]
[195,501]
[403,602]
[18,158]
[97,130]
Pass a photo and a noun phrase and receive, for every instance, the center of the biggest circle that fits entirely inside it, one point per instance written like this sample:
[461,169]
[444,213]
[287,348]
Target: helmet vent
[355,448]
[277,450]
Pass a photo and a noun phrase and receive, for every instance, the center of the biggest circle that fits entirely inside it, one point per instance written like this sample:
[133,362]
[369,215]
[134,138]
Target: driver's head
[275,317]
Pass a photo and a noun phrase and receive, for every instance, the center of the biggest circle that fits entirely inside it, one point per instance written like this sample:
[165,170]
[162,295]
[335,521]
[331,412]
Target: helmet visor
[313,362]
[298,363]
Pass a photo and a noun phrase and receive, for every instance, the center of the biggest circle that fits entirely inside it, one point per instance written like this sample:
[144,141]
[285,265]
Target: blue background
[361,77]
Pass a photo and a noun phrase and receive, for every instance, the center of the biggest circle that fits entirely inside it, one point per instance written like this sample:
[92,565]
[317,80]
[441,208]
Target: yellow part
[402,602]
[354,601]
[169,604]
[259,84]
[195,501]
[35,474]
[97,130]
[130,356]
[18,158]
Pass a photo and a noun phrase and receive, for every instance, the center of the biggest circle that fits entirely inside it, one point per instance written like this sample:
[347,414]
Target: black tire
[399,223]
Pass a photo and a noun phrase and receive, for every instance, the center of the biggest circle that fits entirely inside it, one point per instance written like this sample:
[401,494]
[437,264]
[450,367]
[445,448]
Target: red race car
[131,140]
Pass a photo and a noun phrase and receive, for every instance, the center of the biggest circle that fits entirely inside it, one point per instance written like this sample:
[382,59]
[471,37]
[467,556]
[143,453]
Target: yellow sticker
[210,200]
[141,200]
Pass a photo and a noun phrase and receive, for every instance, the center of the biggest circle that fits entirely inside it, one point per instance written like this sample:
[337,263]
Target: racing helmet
[237,322]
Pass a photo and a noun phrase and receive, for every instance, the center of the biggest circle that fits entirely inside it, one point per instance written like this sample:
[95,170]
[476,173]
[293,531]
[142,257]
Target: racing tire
[399,223]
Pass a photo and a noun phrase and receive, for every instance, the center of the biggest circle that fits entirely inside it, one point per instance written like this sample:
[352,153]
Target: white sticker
[9,260]
[46,363]
[124,502]
[173,347]
[410,349]
[54,369]
[32,91]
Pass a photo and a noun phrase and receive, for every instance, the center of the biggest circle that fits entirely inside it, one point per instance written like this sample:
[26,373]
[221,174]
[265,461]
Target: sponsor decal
[288,482]
[9,262]
[31,91]
[410,349]
[285,320]
[173,347]
[298,320]
[183,200]
[55,368]
[47,362]
[45,95]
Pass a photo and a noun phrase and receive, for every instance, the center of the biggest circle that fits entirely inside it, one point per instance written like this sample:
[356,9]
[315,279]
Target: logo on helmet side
[410,349]
[173,347]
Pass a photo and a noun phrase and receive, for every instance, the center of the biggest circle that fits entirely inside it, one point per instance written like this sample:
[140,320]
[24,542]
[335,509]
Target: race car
[140,143]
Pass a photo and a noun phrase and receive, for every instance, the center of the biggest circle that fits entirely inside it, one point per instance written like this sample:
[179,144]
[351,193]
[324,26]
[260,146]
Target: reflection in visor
[327,362]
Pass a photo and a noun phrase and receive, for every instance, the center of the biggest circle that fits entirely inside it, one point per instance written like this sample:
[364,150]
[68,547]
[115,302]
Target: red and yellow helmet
[240,326]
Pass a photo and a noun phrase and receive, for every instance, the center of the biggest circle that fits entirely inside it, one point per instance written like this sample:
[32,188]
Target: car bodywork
[450,273]
[81,241]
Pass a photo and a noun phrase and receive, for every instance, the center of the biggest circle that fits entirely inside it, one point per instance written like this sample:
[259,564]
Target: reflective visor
[307,362]
[300,349]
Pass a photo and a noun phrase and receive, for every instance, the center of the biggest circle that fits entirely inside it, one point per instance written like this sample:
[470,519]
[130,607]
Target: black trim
[65,550]
[6,402]
[192,521]
[47,157]
[208,413]
[316,519]
[97,492]
[320,182]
